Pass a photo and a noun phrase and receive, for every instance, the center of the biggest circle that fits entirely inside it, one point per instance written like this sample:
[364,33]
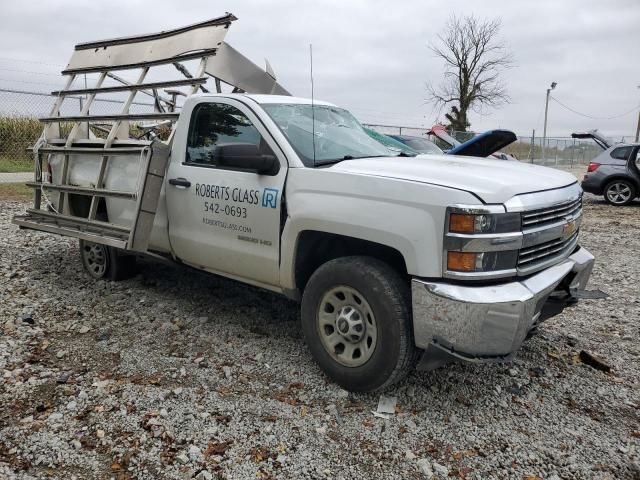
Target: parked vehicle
[486,144]
[614,173]
[418,144]
[483,145]
[392,143]
[394,260]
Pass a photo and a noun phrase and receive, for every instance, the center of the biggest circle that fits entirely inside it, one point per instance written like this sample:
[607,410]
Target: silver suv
[615,173]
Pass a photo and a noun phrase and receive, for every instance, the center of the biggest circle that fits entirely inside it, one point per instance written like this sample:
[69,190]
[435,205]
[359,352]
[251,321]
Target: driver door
[225,220]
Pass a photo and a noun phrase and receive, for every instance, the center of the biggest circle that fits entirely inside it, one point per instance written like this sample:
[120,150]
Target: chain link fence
[20,128]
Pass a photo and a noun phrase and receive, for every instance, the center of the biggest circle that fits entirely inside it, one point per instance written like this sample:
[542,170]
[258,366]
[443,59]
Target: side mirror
[245,156]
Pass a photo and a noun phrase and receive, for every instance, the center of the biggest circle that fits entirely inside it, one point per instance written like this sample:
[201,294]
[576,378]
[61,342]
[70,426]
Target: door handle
[179,182]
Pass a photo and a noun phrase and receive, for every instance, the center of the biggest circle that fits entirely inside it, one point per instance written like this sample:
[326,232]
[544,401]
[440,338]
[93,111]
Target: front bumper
[489,323]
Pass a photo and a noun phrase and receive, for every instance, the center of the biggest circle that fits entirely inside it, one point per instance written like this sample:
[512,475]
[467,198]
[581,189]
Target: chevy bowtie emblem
[568,229]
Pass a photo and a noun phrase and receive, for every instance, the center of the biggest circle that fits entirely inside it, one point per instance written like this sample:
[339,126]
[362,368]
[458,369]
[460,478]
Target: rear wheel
[356,320]
[103,262]
[619,192]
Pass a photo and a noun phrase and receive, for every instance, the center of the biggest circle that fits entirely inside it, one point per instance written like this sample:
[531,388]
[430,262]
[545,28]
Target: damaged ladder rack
[140,54]
[203,43]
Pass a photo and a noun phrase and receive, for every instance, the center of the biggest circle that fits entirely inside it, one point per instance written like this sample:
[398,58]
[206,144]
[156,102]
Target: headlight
[481,261]
[484,223]
[481,242]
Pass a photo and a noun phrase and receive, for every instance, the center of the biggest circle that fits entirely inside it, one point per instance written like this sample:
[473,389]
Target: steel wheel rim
[347,326]
[95,256]
[619,192]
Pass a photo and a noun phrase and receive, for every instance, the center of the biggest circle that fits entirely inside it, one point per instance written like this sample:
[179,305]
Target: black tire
[387,295]
[619,192]
[104,262]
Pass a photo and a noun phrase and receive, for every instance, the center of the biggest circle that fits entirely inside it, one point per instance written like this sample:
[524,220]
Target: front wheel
[104,262]
[619,192]
[356,320]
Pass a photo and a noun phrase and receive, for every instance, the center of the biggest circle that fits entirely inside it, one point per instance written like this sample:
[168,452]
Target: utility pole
[638,127]
[532,150]
[546,111]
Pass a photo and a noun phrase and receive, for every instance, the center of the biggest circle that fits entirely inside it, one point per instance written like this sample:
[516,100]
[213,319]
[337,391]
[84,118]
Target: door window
[215,125]
[621,153]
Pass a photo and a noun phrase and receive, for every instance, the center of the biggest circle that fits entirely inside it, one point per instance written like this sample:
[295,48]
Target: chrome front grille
[550,235]
[538,256]
[551,215]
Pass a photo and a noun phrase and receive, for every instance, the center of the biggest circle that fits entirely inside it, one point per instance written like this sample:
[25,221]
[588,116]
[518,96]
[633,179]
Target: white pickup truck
[394,259]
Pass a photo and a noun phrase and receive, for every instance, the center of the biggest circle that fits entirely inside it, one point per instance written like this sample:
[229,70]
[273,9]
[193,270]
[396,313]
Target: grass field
[16,135]
[9,165]
[15,191]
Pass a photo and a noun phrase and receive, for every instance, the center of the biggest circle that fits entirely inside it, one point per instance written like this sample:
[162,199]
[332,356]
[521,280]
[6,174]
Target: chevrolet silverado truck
[395,260]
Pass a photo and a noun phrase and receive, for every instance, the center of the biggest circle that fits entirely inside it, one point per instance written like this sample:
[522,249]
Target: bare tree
[474,59]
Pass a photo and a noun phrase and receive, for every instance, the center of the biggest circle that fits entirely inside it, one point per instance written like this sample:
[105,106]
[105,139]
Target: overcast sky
[372,56]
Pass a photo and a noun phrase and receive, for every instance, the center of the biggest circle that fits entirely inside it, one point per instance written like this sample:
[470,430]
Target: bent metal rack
[217,60]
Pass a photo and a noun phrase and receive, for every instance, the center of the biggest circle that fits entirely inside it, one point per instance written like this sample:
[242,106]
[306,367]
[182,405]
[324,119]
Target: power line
[58,85]
[34,83]
[26,92]
[594,117]
[31,61]
[128,77]
[92,76]
[49,74]
[98,100]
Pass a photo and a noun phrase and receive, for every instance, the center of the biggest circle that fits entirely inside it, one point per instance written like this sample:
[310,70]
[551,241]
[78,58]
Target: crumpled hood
[494,181]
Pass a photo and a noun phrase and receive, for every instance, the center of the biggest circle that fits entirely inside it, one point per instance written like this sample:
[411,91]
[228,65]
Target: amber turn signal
[462,223]
[461,261]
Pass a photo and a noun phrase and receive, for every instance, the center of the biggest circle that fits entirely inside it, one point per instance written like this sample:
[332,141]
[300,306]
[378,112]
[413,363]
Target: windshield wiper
[347,157]
[405,154]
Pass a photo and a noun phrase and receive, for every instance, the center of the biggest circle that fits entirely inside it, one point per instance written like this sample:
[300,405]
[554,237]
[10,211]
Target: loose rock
[127,395]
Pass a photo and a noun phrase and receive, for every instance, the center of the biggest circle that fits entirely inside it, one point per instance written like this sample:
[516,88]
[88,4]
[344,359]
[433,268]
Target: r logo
[270,197]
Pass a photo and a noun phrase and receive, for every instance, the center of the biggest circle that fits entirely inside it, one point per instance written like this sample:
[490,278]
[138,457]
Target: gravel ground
[177,374]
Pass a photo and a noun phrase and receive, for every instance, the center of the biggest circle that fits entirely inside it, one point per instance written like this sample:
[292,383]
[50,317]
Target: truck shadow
[253,308]
[598,200]
[172,290]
